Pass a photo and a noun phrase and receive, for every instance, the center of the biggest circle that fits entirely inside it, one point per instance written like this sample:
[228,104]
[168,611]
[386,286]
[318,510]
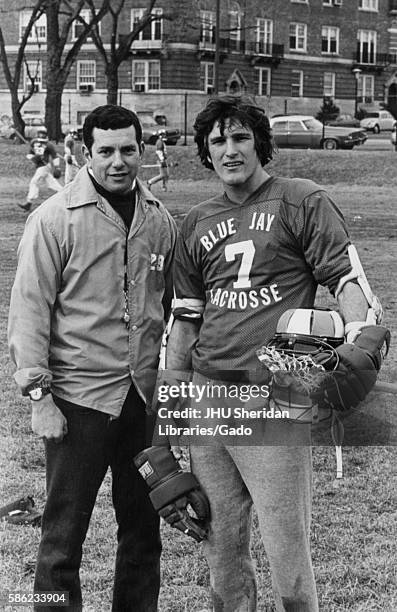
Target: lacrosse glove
[355,369]
[173,491]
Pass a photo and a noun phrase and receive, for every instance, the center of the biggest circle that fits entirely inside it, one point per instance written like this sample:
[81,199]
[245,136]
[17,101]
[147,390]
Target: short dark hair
[240,109]
[110,117]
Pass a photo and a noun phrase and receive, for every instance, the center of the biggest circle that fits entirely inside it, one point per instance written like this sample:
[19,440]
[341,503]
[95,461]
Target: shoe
[26,206]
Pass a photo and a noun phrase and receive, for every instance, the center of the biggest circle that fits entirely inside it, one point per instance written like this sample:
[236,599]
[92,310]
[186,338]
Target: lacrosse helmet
[309,331]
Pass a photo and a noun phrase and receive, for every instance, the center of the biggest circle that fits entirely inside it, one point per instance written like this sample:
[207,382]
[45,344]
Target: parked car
[151,130]
[344,120]
[34,126]
[394,136]
[377,121]
[304,131]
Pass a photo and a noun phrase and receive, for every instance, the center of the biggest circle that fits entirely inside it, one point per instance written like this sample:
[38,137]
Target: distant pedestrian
[161,154]
[45,158]
[71,164]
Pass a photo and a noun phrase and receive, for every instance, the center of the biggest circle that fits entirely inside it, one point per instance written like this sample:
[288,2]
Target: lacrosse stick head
[299,355]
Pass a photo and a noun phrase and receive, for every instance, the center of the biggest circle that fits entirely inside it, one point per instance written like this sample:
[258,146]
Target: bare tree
[13,71]
[61,15]
[120,44]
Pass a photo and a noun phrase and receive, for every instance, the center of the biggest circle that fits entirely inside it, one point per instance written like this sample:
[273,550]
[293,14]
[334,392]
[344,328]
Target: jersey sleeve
[189,287]
[321,230]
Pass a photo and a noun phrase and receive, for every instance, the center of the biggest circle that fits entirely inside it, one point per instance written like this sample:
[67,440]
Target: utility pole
[217,43]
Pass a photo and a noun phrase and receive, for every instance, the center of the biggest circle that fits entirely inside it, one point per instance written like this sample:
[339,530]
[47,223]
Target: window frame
[87,79]
[264,35]
[296,25]
[258,80]
[235,21]
[38,79]
[41,22]
[86,15]
[156,26]
[207,80]
[297,84]
[368,8]
[207,27]
[329,40]
[146,78]
[366,82]
[371,52]
[329,93]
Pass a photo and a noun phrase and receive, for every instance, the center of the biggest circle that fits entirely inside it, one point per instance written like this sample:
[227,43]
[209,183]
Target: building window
[207,76]
[235,27]
[366,46]
[153,30]
[368,5]
[297,36]
[328,2]
[296,83]
[329,84]
[207,27]
[32,70]
[86,75]
[365,89]
[264,36]
[78,27]
[262,81]
[145,75]
[301,1]
[329,40]
[38,33]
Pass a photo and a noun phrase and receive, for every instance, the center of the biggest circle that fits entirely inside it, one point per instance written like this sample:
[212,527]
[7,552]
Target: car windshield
[147,120]
[313,124]
[371,115]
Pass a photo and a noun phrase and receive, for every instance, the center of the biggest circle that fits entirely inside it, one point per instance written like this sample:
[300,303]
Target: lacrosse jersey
[240,266]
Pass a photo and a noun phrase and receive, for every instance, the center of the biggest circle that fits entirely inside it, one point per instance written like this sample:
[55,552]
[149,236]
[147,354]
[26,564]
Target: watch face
[36,394]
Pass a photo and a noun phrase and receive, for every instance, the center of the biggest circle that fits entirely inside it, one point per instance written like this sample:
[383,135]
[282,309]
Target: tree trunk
[19,123]
[112,82]
[53,106]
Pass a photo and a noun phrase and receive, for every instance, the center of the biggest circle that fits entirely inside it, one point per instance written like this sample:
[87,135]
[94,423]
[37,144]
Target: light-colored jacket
[67,304]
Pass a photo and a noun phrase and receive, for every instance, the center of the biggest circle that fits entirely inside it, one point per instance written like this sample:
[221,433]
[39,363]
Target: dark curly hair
[110,117]
[239,109]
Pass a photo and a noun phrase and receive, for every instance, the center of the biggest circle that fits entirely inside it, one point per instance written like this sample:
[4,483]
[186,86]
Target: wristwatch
[38,391]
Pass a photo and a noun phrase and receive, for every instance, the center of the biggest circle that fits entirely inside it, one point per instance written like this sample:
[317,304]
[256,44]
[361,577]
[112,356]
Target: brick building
[289,54]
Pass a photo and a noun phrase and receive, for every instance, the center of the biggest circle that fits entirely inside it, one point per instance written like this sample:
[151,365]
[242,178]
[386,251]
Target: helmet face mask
[300,344]
[310,331]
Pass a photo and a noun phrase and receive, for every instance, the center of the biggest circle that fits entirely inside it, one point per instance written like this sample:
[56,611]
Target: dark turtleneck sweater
[122,203]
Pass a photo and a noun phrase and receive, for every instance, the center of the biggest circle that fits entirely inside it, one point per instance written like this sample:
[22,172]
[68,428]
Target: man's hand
[48,422]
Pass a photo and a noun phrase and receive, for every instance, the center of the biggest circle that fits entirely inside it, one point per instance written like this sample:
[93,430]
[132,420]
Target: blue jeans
[75,470]
[277,480]
[275,477]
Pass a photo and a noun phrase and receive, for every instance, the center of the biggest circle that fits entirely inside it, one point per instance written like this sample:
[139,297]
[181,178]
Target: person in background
[92,291]
[71,164]
[161,154]
[46,161]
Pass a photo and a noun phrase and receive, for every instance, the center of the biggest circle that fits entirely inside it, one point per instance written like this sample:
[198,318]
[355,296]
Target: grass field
[354,525]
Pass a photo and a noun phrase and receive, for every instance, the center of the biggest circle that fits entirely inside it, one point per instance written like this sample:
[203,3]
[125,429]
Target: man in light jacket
[92,291]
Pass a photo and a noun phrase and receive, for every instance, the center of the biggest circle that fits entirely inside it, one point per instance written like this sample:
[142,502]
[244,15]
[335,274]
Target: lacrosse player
[92,289]
[243,258]
[161,154]
[46,161]
[71,164]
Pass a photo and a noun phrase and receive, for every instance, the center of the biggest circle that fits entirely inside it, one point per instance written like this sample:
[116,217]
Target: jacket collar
[82,191]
